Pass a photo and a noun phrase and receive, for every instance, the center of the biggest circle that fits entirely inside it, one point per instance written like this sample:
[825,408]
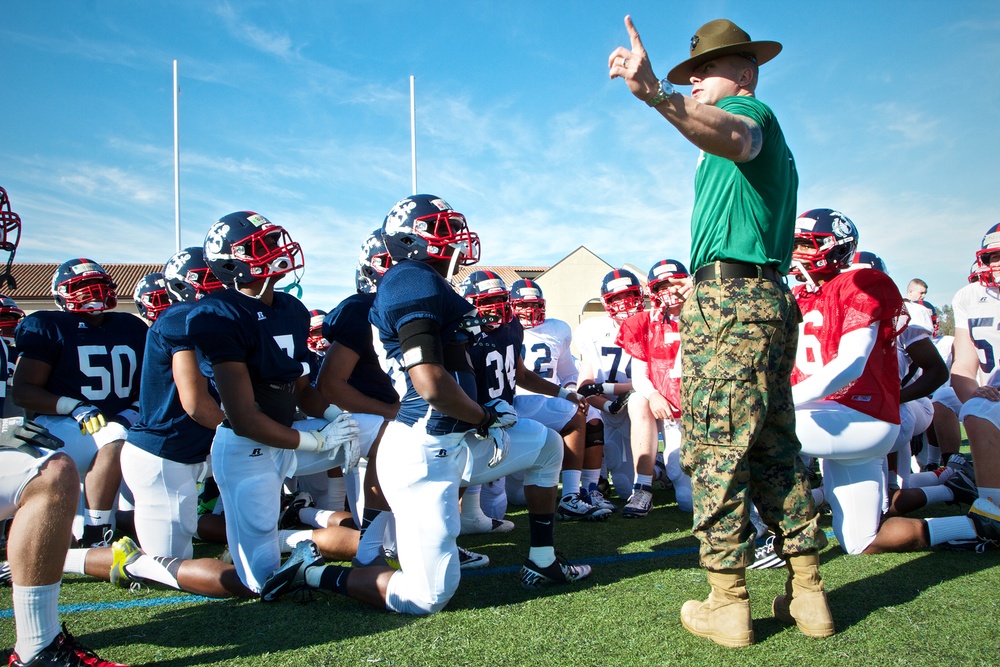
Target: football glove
[617,405]
[340,434]
[590,389]
[89,418]
[127,417]
[501,445]
[499,414]
[18,433]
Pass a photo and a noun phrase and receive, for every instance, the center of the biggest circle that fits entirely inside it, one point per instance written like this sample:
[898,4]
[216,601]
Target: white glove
[500,413]
[340,434]
[501,445]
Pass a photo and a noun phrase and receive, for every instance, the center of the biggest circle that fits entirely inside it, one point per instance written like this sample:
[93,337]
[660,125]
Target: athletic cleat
[977,544]
[124,552]
[660,479]
[484,524]
[97,537]
[291,576]
[986,518]
[764,556]
[962,486]
[470,560]
[596,498]
[64,651]
[959,462]
[604,486]
[638,505]
[392,559]
[4,573]
[559,572]
[574,507]
[290,516]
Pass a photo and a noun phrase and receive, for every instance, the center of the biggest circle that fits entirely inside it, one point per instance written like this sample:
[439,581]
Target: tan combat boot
[725,616]
[804,602]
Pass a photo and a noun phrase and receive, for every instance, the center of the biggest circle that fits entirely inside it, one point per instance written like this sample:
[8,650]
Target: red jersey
[854,300]
[648,337]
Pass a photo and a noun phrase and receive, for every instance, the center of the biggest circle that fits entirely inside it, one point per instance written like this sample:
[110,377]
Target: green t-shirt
[745,212]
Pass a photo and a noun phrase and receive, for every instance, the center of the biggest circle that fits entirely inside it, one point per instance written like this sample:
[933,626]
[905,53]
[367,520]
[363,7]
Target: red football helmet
[10,315]
[659,276]
[527,302]
[150,296]
[83,286]
[317,342]
[989,246]
[621,293]
[488,293]
[834,237]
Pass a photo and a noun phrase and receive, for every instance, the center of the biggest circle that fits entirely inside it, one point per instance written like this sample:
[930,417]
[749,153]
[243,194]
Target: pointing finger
[633,34]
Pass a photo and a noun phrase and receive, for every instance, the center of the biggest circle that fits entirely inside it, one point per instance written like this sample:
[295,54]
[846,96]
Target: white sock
[589,476]
[818,496]
[948,528]
[36,618]
[924,479]
[370,545]
[542,556]
[571,481]
[338,495]
[75,561]
[161,569]
[289,538]
[938,494]
[991,494]
[97,517]
[643,480]
[315,517]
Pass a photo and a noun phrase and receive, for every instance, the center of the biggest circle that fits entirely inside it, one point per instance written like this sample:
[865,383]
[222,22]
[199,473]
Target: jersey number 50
[112,371]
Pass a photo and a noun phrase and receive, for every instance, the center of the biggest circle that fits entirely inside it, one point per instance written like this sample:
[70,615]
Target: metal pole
[413,136]
[177,171]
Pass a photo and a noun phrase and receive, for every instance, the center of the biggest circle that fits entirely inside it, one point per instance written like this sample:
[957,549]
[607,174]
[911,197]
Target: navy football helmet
[488,293]
[10,315]
[832,234]
[621,293]
[989,246]
[188,277]
[150,296]
[868,260]
[373,261]
[527,302]
[10,235]
[245,247]
[316,341]
[426,228]
[659,276]
[83,286]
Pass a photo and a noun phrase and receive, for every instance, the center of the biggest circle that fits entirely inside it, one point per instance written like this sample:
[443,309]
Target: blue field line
[510,569]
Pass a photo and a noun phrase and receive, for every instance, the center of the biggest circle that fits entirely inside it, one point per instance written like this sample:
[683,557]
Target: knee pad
[595,434]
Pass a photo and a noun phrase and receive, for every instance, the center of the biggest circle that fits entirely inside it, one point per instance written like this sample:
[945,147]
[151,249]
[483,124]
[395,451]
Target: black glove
[590,389]
[617,405]
[24,435]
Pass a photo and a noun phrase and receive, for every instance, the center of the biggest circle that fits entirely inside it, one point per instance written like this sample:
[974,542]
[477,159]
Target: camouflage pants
[739,337]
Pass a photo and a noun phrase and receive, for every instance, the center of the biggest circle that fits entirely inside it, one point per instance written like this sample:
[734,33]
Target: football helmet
[373,261]
[10,315]
[83,286]
[245,247]
[150,296]
[426,228]
[659,275]
[868,260]
[316,341]
[527,302]
[188,277]
[488,293]
[974,272]
[989,246]
[621,293]
[10,235]
[832,234]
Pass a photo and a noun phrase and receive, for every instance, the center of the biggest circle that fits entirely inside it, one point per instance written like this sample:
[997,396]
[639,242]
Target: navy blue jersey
[494,358]
[347,325]
[412,291]
[98,364]
[271,340]
[4,373]
[164,428]
[315,361]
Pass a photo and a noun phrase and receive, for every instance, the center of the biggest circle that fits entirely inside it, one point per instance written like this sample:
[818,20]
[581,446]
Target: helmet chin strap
[453,262]
[810,283]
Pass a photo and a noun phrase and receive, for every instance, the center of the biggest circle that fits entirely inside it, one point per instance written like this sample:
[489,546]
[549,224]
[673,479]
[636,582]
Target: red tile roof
[34,280]
[508,273]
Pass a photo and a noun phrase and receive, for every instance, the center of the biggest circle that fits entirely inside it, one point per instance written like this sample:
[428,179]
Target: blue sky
[300,111]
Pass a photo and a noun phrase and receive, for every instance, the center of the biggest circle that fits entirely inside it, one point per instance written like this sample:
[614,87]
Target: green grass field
[929,608]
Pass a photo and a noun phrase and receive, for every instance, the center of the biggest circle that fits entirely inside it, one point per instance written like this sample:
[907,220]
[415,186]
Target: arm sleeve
[845,368]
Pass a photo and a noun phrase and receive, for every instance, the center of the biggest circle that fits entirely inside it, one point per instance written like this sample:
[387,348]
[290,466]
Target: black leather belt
[726,270]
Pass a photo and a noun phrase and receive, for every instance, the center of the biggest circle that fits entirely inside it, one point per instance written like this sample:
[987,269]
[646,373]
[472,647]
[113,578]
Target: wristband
[564,393]
[332,412]
[65,405]
[608,388]
[309,441]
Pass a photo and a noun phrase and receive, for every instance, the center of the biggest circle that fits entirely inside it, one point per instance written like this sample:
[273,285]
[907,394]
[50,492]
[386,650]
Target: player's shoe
[4,573]
[392,559]
[604,486]
[124,552]
[574,507]
[985,516]
[559,572]
[484,524]
[470,560]
[639,504]
[291,576]
[660,479]
[97,537]
[962,486]
[959,462]
[64,651]
[290,516]
[764,556]
[596,498]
